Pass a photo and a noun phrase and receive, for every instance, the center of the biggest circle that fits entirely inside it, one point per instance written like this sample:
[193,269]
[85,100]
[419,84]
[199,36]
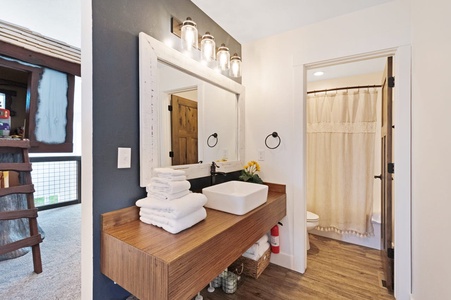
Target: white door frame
[402,154]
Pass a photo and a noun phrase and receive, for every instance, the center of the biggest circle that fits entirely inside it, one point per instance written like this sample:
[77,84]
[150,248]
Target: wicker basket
[251,267]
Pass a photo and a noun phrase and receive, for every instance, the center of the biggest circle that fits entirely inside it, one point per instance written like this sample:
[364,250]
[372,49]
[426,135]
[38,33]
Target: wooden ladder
[27,188]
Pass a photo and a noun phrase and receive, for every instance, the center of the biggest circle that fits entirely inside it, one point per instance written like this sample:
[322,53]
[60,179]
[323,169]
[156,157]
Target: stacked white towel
[258,249]
[168,184]
[169,203]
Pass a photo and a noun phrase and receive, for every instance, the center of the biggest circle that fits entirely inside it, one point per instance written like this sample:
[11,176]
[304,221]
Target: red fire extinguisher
[275,244]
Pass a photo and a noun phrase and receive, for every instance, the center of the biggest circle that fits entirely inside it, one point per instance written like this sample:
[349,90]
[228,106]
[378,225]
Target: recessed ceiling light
[318,73]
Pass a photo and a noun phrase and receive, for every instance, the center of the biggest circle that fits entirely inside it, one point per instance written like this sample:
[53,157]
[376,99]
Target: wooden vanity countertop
[154,264]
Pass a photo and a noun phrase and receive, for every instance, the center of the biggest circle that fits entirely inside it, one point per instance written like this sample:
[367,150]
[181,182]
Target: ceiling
[250,20]
[375,65]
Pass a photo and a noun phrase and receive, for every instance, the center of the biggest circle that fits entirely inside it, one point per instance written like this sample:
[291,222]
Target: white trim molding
[150,52]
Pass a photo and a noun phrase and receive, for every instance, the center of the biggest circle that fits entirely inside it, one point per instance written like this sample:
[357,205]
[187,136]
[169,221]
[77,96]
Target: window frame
[34,75]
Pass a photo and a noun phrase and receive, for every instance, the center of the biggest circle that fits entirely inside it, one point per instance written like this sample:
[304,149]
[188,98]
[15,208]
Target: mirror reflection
[198,120]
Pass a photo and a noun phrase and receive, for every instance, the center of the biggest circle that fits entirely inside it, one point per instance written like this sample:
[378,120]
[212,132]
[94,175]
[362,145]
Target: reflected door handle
[378,177]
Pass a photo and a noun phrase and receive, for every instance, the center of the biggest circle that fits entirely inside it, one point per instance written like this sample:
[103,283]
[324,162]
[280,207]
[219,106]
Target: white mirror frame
[150,52]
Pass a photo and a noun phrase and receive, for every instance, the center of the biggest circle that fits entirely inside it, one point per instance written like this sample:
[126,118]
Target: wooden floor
[336,270]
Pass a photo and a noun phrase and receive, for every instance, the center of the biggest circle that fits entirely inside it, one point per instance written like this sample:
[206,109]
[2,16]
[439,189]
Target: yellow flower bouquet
[249,172]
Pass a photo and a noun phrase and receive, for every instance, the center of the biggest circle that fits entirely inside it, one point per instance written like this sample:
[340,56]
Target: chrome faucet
[213,172]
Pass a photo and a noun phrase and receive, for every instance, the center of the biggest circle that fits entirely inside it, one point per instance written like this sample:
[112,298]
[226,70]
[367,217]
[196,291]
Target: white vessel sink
[235,197]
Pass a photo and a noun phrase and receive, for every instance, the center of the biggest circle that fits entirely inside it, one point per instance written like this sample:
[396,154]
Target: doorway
[344,117]
[402,150]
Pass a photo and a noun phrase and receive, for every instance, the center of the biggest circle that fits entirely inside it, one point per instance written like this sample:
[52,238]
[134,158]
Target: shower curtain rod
[346,88]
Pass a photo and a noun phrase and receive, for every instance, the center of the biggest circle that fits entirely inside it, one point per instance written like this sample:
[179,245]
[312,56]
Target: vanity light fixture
[208,48]
[223,58]
[235,66]
[189,36]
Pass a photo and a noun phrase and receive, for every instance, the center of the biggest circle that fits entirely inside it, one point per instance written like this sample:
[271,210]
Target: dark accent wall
[116,24]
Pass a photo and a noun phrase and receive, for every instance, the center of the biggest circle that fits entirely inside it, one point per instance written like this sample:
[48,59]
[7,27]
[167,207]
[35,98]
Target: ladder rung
[26,242]
[19,167]
[13,143]
[19,214]
[20,189]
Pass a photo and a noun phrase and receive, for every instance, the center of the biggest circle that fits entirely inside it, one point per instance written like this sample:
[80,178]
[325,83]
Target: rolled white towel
[261,250]
[167,196]
[175,208]
[168,172]
[175,226]
[170,187]
[255,247]
[166,180]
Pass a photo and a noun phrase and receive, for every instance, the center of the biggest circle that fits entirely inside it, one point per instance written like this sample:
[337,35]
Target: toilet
[312,223]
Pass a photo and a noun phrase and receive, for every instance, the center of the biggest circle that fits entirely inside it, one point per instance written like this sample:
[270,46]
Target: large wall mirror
[189,114]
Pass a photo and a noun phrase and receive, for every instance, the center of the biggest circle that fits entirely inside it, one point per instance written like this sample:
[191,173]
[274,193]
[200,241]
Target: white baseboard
[282,259]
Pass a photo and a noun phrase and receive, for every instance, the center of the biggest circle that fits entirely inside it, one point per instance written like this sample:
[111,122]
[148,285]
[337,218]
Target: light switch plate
[261,155]
[124,158]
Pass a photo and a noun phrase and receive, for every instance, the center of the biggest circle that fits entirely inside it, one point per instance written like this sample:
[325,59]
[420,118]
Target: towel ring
[274,135]
[214,135]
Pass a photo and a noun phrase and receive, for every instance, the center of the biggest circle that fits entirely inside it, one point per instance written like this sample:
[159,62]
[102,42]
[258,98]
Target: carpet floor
[60,252]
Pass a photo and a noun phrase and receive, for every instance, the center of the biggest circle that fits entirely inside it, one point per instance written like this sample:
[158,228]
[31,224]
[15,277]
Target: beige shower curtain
[341,130]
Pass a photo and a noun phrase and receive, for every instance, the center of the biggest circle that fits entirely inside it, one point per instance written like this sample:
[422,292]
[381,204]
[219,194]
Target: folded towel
[261,250]
[170,187]
[255,247]
[166,196]
[168,172]
[175,226]
[175,208]
[166,180]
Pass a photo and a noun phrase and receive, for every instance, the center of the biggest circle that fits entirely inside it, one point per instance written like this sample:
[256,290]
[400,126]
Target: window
[40,94]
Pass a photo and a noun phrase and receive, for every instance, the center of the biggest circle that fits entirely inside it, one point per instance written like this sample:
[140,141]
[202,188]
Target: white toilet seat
[311,217]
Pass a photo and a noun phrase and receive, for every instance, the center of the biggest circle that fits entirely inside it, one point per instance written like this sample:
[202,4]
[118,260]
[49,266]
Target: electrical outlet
[261,155]
[124,158]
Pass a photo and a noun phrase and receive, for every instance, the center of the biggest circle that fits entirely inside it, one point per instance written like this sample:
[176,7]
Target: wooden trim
[119,217]
[276,187]
[15,143]
[26,242]
[20,189]
[34,76]
[33,41]
[19,214]
[39,59]
[20,167]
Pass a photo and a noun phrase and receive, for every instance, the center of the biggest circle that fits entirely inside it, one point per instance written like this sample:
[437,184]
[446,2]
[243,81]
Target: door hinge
[171,153]
[391,253]
[391,168]
[170,107]
[391,82]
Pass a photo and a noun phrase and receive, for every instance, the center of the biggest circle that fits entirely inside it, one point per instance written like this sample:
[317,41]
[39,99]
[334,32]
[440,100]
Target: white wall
[59,19]
[431,140]
[274,104]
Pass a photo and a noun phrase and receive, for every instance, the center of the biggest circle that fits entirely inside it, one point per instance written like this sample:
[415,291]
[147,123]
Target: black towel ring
[274,135]
[214,135]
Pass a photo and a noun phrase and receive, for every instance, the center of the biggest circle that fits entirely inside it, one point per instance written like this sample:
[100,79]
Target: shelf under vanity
[153,264]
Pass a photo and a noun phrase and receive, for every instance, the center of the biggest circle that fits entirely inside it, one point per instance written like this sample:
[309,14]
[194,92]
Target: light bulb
[189,36]
[223,58]
[235,66]
[208,48]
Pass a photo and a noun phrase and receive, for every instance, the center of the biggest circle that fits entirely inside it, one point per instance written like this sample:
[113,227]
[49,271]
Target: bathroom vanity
[154,264]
